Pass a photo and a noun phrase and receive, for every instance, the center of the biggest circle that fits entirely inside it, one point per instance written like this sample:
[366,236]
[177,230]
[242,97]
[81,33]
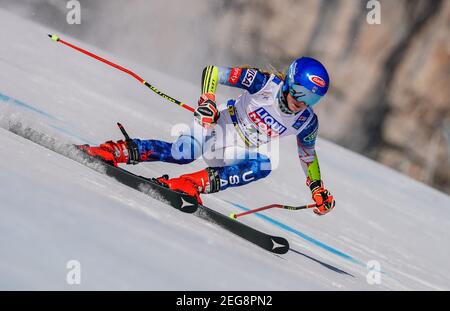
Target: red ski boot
[204,181]
[113,152]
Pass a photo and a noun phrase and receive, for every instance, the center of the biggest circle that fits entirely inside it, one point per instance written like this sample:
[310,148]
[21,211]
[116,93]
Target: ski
[274,244]
[178,200]
[189,204]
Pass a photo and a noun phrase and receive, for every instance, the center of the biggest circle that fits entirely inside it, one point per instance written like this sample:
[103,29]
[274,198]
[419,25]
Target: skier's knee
[186,149]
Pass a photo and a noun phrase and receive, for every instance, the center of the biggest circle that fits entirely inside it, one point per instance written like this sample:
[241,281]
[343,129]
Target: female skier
[271,106]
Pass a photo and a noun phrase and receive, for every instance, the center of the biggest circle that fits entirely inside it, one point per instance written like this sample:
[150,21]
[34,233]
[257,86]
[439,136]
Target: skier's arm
[306,141]
[249,79]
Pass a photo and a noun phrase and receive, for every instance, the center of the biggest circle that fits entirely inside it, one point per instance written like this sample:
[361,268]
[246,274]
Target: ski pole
[124,132]
[131,73]
[288,207]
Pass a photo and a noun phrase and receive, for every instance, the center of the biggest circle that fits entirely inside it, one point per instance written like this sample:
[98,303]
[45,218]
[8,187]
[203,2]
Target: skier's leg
[230,162]
[185,149]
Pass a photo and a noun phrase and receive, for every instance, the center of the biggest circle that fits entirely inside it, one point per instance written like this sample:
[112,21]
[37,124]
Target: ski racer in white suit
[271,106]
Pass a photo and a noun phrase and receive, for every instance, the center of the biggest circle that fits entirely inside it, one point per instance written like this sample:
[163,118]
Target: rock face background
[389,96]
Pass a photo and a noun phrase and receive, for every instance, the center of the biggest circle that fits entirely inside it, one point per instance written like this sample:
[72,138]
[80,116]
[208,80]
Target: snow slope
[53,210]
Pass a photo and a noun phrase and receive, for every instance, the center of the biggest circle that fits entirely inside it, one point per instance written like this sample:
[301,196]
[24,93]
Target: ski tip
[233,216]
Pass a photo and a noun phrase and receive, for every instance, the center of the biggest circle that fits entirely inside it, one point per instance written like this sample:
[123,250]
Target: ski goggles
[302,94]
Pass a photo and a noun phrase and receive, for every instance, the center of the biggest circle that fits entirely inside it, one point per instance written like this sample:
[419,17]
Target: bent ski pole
[288,207]
[131,73]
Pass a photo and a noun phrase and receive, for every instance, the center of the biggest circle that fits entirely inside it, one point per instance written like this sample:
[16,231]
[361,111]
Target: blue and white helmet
[306,80]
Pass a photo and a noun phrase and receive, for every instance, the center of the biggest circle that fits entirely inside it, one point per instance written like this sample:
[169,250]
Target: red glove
[206,113]
[114,152]
[323,198]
